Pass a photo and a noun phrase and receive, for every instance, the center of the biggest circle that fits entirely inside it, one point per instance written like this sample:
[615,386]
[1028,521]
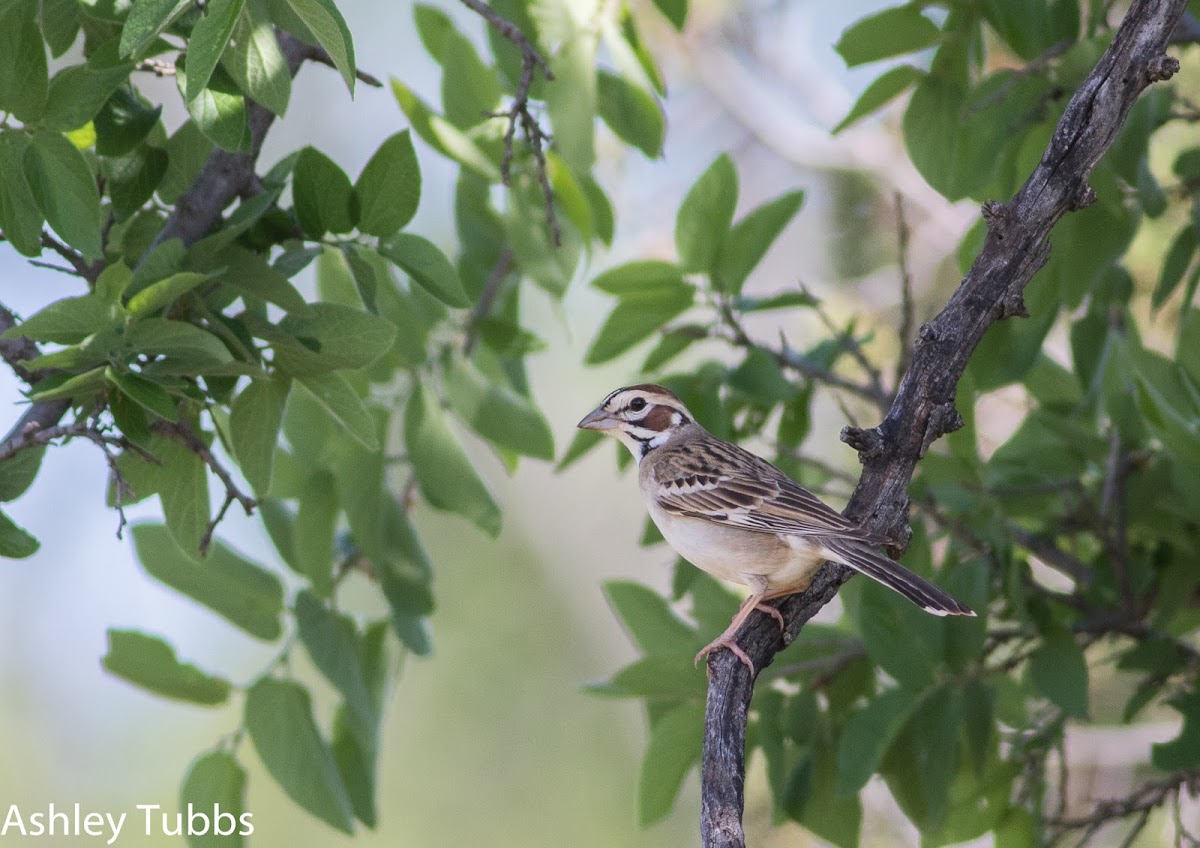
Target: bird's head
[643,417]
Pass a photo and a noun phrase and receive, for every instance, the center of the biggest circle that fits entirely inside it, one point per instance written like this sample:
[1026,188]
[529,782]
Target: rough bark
[1017,245]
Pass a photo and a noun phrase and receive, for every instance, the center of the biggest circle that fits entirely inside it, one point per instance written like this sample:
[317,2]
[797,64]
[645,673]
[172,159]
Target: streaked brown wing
[748,492]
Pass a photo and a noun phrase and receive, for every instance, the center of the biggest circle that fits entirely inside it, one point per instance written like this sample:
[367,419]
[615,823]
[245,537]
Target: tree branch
[1015,248]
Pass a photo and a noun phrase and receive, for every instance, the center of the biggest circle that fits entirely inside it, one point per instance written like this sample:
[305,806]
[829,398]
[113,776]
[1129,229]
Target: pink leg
[726,639]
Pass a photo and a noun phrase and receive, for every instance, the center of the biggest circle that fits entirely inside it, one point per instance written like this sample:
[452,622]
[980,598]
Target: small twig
[1140,802]
[1036,65]
[184,434]
[487,299]
[319,56]
[1051,554]
[518,111]
[907,306]
[90,271]
[50,266]
[852,346]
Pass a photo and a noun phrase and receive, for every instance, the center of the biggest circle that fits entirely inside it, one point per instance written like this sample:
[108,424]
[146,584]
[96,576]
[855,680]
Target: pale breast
[737,555]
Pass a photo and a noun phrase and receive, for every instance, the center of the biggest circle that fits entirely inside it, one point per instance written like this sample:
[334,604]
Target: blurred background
[490,741]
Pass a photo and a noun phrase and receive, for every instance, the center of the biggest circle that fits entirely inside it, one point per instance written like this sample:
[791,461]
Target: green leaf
[660,676]
[337,397]
[445,475]
[254,421]
[249,273]
[15,543]
[332,641]
[674,11]
[20,217]
[892,32]
[1175,265]
[443,136]
[18,472]
[312,533]
[210,36]
[322,194]
[65,191]
[674,748]
[751,237]
[146,394]
[330,337]
[1182,752]
[631,112]
[177,339]
[218,110]
[60,24]
[637,316]
[256,63]
[360,482]
[187,151]
[922,761]
[501,416]
[216,780]
[887,86]
[640,276]
[328,26]
[648,619]
[389,187]
[235,588]
[427,265]
[147,18]
[866,737]
[78,92]
[901,638]
[131,179]
[280,722]
[571,101]
[66,321]
[124,122]
[149,662]
[163,293]
[702,223]
[1059,671]
[356,767]
[23,75]
[470,89]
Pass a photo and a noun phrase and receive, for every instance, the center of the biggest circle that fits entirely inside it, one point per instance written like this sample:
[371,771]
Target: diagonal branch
[1015,248]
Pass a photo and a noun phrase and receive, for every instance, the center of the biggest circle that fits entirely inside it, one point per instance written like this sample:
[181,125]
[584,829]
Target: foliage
[191,358]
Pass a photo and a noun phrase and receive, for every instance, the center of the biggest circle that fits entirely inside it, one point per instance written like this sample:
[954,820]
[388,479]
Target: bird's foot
[774,613]
[725,641]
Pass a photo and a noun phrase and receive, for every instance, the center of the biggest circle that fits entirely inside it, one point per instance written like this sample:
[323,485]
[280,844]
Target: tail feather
[865,560]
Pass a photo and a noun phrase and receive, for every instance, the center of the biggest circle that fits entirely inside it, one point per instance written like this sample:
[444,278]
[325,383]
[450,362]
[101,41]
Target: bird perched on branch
[738,517]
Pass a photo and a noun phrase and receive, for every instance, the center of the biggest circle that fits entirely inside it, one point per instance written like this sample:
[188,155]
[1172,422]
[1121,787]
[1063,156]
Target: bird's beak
[598,419]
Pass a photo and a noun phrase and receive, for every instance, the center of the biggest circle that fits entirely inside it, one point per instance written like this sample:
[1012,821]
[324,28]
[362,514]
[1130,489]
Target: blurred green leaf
[326,23]
[20,217]
[149,662]
[673,750]
[631,112]
[427,265]
[751,237]
[443,136]
[702,223]
[23,75]
[1175,265]
[65,190]
[1182,752]
[389,187]
[279,719]
[15,543]
[329,337]
[1059,671]
[890,84]
[867,735]
[341,401]
[903,639]
[217,781]
[649,620]
[446,477]
[254,420]
[313,530]
[18,472]
[499,415]
[210,36]
[332,641]
[892,32]
[637,316]
[922,761]
[241,592]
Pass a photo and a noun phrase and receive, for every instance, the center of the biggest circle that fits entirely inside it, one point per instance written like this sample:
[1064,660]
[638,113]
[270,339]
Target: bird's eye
[637,404]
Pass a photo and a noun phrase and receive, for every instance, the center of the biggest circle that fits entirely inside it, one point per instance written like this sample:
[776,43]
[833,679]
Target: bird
[736,516]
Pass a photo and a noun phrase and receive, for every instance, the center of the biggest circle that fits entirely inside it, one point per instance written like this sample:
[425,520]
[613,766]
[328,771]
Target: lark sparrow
[738,517]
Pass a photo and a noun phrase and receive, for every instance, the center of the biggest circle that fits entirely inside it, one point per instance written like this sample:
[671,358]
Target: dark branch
[1015,248]
[518,111]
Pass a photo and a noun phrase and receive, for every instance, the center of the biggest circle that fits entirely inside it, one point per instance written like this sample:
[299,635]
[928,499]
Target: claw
[774,613]
[725,642]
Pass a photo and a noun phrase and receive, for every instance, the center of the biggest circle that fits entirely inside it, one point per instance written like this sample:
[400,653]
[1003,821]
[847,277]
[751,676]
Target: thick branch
[1016,247]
